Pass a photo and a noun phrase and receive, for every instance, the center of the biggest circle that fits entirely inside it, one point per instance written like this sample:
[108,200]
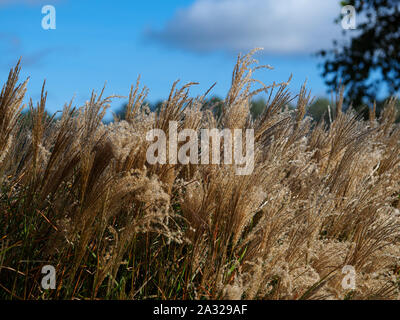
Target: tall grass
[79,194]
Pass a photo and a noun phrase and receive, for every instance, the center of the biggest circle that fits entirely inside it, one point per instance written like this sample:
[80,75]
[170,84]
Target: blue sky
[191,40]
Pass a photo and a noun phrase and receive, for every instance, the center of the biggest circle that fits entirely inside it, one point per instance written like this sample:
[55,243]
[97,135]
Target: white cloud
[280,27]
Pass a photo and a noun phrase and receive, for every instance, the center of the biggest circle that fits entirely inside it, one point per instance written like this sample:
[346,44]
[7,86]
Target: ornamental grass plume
[79,194]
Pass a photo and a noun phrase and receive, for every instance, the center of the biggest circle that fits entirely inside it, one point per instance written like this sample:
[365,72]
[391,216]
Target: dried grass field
[78,194]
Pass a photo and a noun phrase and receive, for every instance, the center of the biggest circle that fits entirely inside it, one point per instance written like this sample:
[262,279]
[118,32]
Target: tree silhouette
[370,61]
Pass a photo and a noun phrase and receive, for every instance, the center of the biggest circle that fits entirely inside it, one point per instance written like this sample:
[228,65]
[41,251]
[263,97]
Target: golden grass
[79,194]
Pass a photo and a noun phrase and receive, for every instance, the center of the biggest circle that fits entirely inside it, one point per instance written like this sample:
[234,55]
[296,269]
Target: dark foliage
[370,60]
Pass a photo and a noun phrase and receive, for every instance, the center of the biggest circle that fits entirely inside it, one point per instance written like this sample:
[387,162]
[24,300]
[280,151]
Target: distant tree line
[318,110]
